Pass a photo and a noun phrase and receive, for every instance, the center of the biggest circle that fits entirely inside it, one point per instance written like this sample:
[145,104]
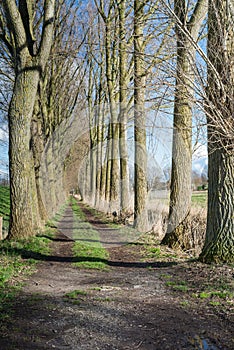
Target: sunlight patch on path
[78,228]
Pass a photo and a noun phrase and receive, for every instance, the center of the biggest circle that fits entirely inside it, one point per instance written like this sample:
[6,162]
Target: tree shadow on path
[28,254]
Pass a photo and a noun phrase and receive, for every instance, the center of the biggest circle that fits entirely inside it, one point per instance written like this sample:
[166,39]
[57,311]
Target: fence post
[1,229]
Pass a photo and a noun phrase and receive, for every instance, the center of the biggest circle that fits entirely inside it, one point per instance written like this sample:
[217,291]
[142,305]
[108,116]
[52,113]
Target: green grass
[96,288]
[214,303]
[87,249]
[126,232]
[181,288]
[212,292]
[90,257]
[100,216]
[104,299]
[53,222]
[165,276]
[75,293]
[153,252]
[77,210]
[204,295]
[14,267]
[226,294]
[199,199]
[178,285]
[5,207]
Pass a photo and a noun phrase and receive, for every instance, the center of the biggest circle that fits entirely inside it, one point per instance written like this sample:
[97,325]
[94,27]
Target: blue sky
[3,150]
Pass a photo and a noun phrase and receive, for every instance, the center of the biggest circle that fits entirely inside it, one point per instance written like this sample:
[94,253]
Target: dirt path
[126,307]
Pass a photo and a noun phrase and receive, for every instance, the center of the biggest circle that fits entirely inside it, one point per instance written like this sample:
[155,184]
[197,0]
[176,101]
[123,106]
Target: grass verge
[14,267]
[202,284]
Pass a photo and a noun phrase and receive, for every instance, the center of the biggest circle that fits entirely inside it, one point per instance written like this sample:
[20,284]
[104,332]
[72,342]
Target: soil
[129,306]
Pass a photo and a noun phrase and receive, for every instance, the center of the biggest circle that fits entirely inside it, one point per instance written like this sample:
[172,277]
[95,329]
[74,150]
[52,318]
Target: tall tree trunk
[103,170]
[47,177]
[37,142]
[179,227]
[108,14]
[29,64]
[99,150]
[92,133]
[98,165]
[108,164]
[93,171]
[104,165]
[114,161]
[123,118]
[99,118]
[46,165]
[140,166]
[219,242]
[24,211]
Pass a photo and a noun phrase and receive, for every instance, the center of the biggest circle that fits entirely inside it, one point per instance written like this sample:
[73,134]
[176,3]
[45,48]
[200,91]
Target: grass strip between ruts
[87,248]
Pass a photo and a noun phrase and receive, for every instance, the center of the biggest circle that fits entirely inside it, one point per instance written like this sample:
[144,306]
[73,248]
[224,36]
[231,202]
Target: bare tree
[123,108]
[187,31]
[29,58]
[140,166]
[59,95]
[219,243]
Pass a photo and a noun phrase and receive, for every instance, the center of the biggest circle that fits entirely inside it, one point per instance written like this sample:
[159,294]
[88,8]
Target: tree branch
[27,13]
[15,22]
[49,11]
[198,17]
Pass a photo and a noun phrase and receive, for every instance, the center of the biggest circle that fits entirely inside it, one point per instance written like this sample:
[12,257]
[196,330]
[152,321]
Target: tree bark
[103,170]
[108,164]
[114,161]
[123,117]
[219,242]
[140,163]
[37,142]
[179,228]
[28,67]
[24,211]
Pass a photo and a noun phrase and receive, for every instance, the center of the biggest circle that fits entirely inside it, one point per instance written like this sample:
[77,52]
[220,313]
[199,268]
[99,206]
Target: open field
[199,199]
[5,206]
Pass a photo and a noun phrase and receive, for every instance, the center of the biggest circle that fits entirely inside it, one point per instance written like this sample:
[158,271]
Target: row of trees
[102,72]
[35,39]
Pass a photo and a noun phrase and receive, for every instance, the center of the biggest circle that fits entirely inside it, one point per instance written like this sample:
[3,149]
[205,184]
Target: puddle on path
[202,344]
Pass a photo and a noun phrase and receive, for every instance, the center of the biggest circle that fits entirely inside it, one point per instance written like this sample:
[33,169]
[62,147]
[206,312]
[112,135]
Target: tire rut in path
[123,308]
